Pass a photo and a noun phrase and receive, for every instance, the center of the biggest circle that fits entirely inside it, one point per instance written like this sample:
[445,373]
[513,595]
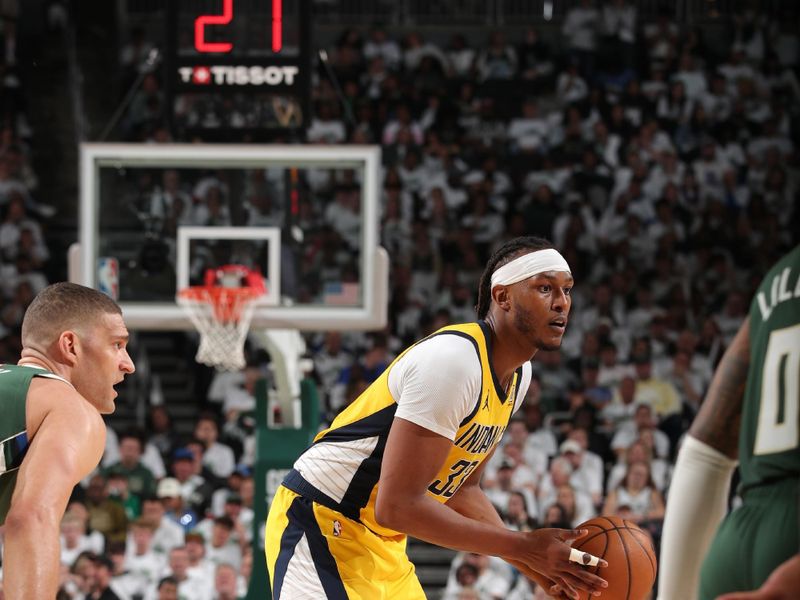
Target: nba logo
[108,276]
[337,528]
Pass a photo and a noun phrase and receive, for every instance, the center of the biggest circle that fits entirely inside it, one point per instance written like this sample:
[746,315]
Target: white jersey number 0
[780,388]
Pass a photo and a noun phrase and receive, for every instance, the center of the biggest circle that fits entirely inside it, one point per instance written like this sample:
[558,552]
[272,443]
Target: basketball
[631,570]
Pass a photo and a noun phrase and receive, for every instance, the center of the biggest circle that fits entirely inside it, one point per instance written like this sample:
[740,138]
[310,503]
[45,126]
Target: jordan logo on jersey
[486,402]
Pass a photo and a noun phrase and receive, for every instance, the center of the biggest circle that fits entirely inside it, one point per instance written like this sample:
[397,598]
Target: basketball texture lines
[631,558]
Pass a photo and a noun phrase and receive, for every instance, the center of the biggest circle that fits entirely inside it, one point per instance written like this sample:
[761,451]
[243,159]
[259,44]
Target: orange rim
[227,302]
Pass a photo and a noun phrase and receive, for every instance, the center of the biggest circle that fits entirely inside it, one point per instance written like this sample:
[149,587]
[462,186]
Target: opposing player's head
[82,330]
[528,281]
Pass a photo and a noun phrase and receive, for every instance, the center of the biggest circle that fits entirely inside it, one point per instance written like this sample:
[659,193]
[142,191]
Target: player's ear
[501,296]
[68,344]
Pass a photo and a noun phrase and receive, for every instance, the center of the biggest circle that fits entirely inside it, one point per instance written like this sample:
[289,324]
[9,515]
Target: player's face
[541,308]
[105,362]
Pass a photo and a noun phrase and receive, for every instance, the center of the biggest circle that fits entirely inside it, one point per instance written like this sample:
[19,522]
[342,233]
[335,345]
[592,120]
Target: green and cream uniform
[14,383]
[322,538]
[765,531]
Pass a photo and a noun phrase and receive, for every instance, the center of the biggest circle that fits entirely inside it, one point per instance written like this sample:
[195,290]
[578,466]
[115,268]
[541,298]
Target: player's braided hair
[508,251]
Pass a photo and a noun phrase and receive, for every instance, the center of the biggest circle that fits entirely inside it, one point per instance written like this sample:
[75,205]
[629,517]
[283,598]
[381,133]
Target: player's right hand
[548,552]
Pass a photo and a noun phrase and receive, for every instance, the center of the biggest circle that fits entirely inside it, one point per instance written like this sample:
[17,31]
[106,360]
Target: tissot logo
[239,75]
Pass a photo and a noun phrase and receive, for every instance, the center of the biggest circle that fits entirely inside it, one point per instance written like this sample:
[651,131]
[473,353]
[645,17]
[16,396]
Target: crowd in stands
[661,162]
[24,254]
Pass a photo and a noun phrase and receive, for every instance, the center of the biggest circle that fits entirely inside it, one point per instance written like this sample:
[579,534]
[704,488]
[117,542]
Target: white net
[222,316]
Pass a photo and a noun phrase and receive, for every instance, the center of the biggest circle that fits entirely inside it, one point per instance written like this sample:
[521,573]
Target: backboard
[305,216]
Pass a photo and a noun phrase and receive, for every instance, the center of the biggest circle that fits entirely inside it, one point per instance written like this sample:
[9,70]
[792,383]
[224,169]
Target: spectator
[630,431]
[167,535]
[539,437]
[580,27]
[199,566]
[105,515]
[170,492]
[102,585]
[498,60]
[96,540]
[587,473]
[460,57]
[517,516]
[326,127]
[188,587]
[220,548]
[640,451]
[118,492]
[15,220]
[141,563]
[623,404]
[466,576]
[167,589]
[535,63]
[218,457]
[619,21]
[161,432]
[141,481]
[74,540]
[187,467]
[123,582]
[658,393]
[576,503]
[493,580]
[528,132]
[636,498]
[226,583]
[556,516]
[234,485]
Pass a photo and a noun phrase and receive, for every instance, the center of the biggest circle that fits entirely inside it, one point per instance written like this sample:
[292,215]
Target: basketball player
[406,457]
[51,431]
[752,410]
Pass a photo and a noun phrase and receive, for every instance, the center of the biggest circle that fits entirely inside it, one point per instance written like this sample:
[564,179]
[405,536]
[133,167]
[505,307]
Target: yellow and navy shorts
[314,552]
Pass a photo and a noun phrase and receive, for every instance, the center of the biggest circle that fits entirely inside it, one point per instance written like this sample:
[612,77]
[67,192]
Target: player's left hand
[550,555]
[781,585]
[553,589]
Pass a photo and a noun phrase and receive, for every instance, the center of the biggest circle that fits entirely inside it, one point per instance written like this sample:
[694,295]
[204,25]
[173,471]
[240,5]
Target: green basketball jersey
[14,383]
[769,444]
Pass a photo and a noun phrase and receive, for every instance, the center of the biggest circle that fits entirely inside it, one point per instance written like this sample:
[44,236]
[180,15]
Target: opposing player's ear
[501,296]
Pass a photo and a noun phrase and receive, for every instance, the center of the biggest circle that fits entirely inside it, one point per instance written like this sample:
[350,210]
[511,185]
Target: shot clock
[238,70]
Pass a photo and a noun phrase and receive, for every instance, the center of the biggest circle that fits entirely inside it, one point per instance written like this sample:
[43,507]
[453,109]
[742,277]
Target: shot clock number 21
[210,20]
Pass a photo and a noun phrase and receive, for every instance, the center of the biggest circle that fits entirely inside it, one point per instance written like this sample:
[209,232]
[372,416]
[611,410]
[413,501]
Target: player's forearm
[444,525]
[31,556]
[697,502]
[472,502]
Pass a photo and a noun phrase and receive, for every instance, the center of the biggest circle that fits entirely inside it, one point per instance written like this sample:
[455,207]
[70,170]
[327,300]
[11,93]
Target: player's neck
[508,354]
[30,357]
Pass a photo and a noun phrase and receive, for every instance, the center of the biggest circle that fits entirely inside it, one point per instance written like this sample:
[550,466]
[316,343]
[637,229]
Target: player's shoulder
[60,402]
[449,347]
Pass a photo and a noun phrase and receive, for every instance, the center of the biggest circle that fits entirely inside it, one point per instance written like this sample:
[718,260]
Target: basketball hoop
[222,310]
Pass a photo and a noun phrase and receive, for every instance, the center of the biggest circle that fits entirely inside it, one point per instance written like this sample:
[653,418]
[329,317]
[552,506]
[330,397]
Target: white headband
[528,265]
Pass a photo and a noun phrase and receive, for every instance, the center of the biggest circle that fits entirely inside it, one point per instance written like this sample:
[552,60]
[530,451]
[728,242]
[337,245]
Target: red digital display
[200,24]
[277,25]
